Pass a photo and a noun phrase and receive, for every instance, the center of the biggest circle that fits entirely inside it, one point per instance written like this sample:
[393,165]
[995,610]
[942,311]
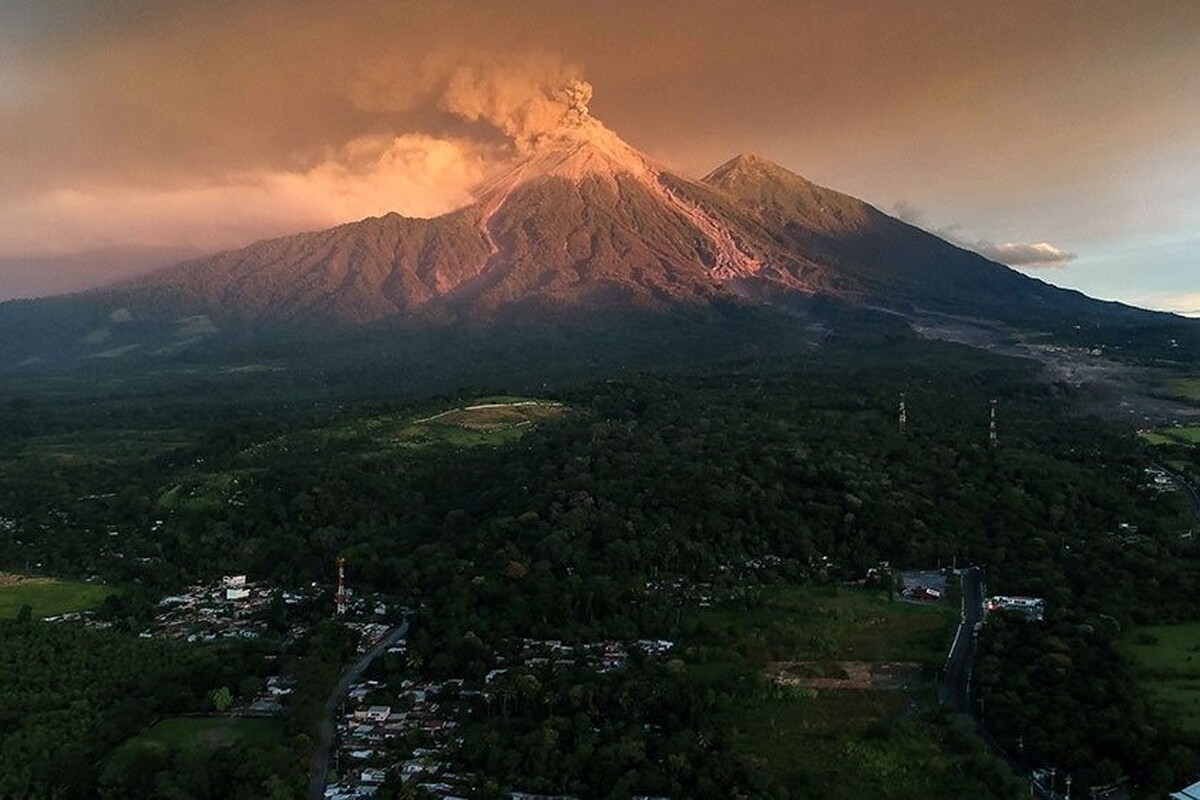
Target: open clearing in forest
[98,446]
[202,733]
[832,662]
[845,674]
[1167,661]
[48,597]
[1181,435]
[1187,388]
[486,421]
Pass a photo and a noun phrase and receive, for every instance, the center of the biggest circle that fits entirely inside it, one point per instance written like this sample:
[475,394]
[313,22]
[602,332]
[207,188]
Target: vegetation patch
[1181,435]
[839,670]
[1167,664]
[204,733]
[814,624]
[201,492]
[48,597]
[1187,389]
[99,446]
[844,674]
[491,421]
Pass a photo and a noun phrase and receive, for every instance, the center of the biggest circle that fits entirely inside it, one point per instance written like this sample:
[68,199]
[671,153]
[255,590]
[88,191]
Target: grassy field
[99,446]
[188,733]
[1167,659]
[490,421]
[837,742]
[1186,388]
[1188,435]
[202,491]
[49,597]
[803,623]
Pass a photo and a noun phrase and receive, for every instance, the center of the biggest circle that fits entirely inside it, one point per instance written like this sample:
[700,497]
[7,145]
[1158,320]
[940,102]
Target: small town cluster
[232,608]
[415,736]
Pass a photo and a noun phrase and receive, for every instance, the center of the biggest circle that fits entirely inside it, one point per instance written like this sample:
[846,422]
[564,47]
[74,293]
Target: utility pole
[340,600]
[992,439]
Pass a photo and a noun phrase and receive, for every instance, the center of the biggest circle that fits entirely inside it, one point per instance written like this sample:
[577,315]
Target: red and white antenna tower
[903,414]
[341,590]
[992,439]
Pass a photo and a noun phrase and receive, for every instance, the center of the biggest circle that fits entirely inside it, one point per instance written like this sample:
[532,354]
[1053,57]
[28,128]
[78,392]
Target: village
[411,732]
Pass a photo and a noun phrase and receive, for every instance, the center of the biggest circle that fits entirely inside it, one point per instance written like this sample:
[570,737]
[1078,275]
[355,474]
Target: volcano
[580,223]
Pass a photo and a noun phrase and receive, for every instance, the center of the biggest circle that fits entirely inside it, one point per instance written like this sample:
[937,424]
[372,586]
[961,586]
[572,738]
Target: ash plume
[526,101]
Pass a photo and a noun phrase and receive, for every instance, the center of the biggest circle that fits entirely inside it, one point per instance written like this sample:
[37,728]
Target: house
[1190,793]
[236,594]
[374,775]
[378,713]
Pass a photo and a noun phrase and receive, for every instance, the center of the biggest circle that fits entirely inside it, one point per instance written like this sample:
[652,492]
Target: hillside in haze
[581,225]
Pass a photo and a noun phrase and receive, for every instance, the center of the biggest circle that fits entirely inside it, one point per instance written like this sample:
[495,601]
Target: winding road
[955,690]
[320,760]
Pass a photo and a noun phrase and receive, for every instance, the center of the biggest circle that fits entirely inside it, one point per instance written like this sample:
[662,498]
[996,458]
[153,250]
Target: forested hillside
[655,480]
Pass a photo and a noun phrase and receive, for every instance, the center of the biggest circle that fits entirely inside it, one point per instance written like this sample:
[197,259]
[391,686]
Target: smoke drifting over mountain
[418,173]
[525,101]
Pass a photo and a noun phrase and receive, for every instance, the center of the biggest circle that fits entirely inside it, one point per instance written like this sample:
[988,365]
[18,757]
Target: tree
[221,699]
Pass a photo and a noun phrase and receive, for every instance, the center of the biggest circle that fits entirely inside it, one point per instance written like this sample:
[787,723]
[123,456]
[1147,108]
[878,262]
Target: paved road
[320,761]
[955,690]
[1187,488]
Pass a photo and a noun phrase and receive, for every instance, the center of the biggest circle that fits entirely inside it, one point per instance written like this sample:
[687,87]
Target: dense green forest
[70,697]
[645,477]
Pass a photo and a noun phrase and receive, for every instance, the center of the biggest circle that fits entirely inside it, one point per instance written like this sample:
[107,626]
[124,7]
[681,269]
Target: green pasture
[1183,435]
[1167,663]
[490,421]
[98,446]
[49,598]
[1187,389]
[834,743]
[824,623]
[195,733]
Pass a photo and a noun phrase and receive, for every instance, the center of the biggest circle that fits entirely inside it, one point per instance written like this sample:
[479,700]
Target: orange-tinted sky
[1064,132]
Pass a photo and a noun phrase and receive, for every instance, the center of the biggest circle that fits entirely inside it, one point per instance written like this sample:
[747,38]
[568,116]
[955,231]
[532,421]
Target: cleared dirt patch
[12,579]
[888,675]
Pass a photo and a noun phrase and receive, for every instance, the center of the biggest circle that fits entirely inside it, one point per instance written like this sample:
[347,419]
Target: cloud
[414,174]
[907,212]
[1034,255]
[1031,256]
[1187,304]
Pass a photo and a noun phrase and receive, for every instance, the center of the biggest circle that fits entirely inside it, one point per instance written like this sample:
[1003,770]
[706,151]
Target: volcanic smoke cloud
[416,173]
[524,102]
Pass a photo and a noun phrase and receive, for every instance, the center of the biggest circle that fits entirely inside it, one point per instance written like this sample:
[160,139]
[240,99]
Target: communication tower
[341,590]
[903,414]
[992,439]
